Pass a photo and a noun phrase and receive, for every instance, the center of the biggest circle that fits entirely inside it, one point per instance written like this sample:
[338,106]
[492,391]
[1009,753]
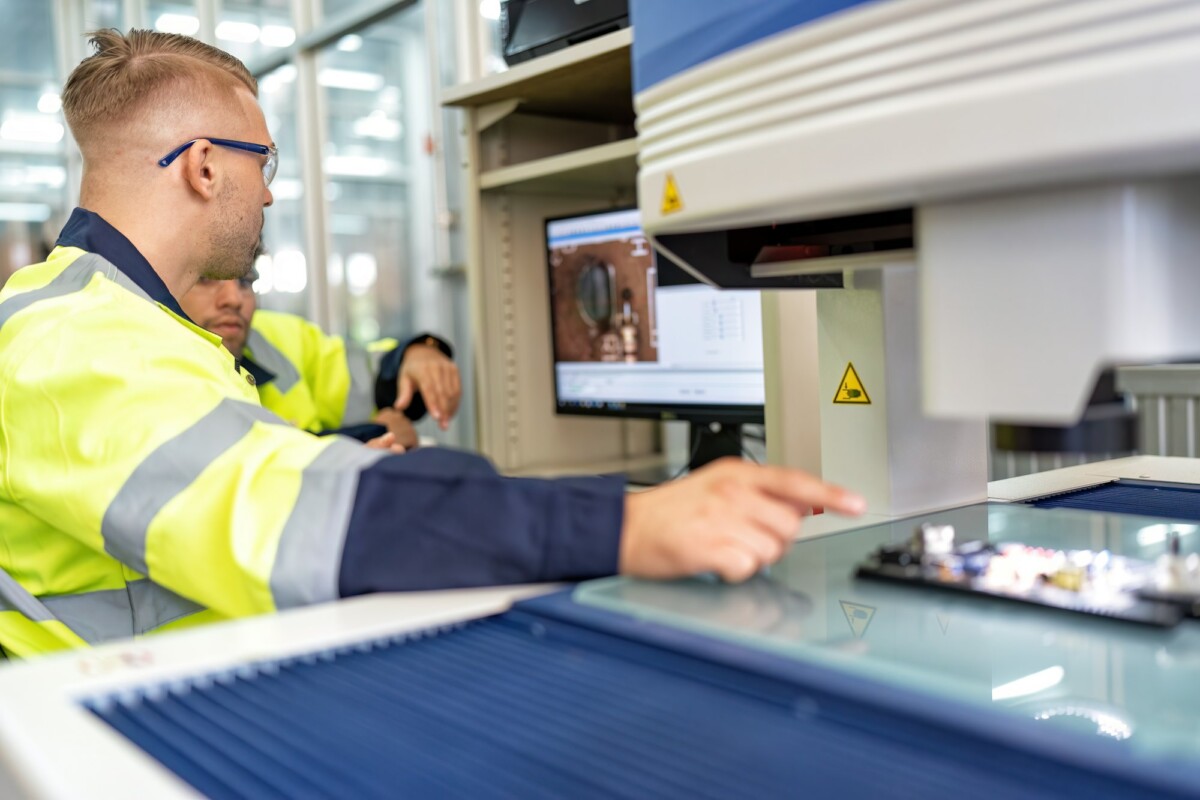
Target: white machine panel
[896,103]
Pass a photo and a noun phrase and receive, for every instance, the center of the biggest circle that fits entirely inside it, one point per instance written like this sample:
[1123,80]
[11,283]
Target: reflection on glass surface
[471,28]
[758,606]
[251,29]
[1084,675]
[491,48]
[28,50]
[106,14]
[173,17]
[33,173]
[333,10]
[1034,683]
[283,283]
[1093,720]
[378,177]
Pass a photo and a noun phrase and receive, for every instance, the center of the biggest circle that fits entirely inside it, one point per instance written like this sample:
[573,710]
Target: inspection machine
[991,201]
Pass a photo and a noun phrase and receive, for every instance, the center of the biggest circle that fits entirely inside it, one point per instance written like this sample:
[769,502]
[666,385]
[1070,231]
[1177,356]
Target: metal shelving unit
[550,137]
[604,168]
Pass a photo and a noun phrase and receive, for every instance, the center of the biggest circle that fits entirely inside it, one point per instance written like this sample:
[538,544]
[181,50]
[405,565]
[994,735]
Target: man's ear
[199,168]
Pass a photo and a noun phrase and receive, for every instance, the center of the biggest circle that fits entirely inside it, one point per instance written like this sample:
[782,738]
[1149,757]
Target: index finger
[453,389]
[797,486]
[433,394]
[404,391]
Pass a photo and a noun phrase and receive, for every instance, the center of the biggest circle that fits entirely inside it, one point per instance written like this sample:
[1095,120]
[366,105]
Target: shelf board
[589,80]
[602,167]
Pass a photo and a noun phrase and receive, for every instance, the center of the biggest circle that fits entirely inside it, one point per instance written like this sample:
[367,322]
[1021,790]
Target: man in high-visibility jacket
[320,383]
[143,486]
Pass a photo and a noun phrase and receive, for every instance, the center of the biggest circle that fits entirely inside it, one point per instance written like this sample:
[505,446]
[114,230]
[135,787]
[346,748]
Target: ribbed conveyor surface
[1122,497]
[522,706]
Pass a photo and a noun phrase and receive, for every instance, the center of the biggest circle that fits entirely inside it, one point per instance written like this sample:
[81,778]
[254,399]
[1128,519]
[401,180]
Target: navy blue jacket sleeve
[441,519]
[389,370]
[363,432]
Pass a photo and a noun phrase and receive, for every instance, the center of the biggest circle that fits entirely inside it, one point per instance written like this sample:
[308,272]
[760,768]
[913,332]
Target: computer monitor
[636,336]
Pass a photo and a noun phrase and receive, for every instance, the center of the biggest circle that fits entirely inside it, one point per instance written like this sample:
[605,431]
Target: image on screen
[635,335]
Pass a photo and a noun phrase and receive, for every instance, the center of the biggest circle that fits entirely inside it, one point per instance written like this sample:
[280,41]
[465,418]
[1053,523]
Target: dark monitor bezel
[723,413]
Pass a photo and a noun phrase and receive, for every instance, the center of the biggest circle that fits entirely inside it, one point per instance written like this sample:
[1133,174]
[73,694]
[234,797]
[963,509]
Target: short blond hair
[128,71]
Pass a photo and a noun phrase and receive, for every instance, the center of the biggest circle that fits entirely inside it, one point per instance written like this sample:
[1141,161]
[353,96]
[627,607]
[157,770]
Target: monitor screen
[635,335]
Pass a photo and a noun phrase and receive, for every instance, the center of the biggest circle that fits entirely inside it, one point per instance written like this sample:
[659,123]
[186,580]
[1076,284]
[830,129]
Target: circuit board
[1098,583]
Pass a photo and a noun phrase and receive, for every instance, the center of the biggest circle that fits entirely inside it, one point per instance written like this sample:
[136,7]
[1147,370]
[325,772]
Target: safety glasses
[268,168]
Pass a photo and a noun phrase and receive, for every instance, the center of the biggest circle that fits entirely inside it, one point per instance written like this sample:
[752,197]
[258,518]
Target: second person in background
[321,383]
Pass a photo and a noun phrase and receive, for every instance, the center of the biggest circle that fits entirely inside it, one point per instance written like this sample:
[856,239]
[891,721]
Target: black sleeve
[389,370]
[441,519]
[364,432]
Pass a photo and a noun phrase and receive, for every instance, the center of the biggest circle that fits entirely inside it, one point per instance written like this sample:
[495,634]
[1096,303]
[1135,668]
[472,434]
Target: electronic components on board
[1093,582]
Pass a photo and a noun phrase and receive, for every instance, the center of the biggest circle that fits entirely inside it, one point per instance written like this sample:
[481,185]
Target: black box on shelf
[532,28]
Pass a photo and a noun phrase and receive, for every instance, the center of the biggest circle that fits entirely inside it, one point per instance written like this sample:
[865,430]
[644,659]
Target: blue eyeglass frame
[269,167]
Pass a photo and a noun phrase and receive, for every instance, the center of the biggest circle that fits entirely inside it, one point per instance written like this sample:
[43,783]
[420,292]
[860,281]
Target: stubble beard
[233,242]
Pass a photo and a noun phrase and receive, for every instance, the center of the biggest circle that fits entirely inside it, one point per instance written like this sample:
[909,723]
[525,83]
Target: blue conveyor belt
[1171,501]
[535,704]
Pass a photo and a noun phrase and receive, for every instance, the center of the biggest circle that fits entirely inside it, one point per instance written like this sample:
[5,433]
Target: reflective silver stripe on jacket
[360,401]
[110,614]
[94,616]
[269,356]
[170,469]
[15,597]
[309,558]
[100,616]
[77,275]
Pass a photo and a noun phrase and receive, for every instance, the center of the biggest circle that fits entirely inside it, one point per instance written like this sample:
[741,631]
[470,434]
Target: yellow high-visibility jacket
[143,486]
[123,483]
[321,383]
[314,381]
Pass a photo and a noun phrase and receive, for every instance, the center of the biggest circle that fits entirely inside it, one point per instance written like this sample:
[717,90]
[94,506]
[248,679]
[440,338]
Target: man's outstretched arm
[443,519]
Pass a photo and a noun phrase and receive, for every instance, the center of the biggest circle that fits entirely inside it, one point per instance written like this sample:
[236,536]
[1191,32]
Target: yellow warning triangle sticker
[858,617]
[671,201]
[851,389]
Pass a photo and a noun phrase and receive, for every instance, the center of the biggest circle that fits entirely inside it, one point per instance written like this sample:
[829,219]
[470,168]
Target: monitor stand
[707,441]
